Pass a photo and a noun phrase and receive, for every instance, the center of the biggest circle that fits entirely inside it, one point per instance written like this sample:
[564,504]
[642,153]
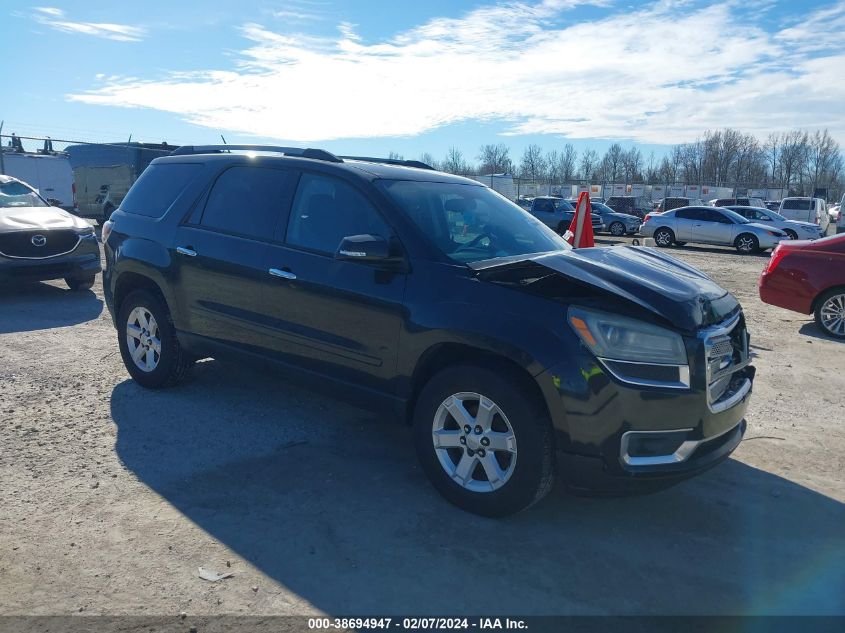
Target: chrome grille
[726,353]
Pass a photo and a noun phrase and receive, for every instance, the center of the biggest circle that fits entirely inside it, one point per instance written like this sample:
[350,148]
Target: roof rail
[316,154]
[391,161]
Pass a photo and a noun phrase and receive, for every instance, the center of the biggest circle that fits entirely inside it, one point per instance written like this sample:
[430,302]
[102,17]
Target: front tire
[617,229]
[664,237]
[830,313]
[148,344]
[747,244]
[80,284]
[484,441]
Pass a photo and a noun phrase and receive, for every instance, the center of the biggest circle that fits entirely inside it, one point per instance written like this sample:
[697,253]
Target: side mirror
[363,248]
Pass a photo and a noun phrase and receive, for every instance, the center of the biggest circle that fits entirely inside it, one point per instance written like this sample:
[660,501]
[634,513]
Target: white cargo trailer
[50,174]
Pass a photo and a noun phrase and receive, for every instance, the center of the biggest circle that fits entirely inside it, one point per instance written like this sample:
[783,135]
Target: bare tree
[568,161]
[632,165]
[822,156]
[612,163]
[454,163]
[532,165]
[429,160]
[588,164]
[495,159]
[395,156]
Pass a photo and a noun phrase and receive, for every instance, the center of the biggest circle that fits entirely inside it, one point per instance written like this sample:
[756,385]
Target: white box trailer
[50,174]
[500,183]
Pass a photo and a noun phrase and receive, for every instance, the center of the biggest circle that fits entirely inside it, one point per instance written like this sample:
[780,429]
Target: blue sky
[366,76]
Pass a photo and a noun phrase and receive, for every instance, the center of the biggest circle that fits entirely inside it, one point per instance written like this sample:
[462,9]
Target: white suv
[813,210]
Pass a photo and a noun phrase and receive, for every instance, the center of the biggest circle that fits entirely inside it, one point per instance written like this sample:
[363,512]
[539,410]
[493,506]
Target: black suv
[432,297]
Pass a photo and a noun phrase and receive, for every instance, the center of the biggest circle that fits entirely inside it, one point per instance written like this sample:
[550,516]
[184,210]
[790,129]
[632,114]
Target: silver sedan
[794,229]
[710,225]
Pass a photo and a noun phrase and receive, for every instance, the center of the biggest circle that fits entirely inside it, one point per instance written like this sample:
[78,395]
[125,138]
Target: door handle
[284,274]
[182,250]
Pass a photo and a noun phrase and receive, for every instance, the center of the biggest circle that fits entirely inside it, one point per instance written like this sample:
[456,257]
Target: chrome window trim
[683,374]
[78,240]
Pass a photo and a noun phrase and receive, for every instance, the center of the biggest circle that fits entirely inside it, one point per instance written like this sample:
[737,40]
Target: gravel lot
[113,496]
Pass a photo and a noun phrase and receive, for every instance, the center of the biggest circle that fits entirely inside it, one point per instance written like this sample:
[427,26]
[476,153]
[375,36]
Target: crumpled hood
[46,218]
[666,286]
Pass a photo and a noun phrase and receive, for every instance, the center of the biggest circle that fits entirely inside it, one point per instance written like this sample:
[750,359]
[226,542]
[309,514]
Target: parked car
[430,296]
[741,202]
[795,230]
[39,242]
[840,220]
[710,225]
[557,214]
[809,277]
[617,224]
[833,212]
[805,209]
[773,205]
[667,204]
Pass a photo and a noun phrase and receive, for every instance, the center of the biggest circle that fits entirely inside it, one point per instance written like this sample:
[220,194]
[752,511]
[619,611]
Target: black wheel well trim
[130,281]
[443,355]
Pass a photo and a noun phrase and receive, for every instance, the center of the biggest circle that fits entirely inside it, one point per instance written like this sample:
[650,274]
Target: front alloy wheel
[617,229]
[484,438]
[830,313]
[747,244]
[474,442]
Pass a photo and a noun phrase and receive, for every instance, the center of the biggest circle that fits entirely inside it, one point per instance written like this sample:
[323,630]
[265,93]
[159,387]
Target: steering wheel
[474,242]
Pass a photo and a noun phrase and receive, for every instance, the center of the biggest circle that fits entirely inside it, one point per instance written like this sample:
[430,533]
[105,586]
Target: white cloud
[658,74]
[55,19]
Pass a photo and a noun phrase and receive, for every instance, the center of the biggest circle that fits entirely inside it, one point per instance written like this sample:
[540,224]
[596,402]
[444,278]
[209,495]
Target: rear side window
[248,201]
[158,187]
[689,214]
[326,210]
[798,205]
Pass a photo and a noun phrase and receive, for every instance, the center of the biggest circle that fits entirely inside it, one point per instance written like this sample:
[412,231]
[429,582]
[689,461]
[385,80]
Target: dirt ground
[111,497]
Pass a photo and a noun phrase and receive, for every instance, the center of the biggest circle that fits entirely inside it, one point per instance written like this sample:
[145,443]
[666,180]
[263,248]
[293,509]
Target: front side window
[247,201]
[17,194]
[326,209]
[470,223]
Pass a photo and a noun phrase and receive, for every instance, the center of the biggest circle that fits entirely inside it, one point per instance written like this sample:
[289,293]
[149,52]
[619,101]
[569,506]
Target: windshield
[733,215]
[598,207]
[17,194]
[470,223]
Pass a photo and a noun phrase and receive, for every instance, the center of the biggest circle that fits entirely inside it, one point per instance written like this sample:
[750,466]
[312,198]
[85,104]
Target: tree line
[799,161]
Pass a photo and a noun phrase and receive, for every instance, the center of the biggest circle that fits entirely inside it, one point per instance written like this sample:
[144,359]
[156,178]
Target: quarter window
[247,201]
[158,187]
[325,210]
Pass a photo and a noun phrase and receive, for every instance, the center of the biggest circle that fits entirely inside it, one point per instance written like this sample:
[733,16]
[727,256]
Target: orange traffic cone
[580,233]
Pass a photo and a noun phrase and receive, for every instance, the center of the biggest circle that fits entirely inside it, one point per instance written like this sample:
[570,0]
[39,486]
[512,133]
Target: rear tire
[80,284]
[747,243]
[830,313]
[155,359]
[516,432]
[792,234]
[664,237]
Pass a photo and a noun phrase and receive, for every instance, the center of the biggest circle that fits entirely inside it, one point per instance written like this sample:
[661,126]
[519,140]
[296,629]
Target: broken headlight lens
[615,337]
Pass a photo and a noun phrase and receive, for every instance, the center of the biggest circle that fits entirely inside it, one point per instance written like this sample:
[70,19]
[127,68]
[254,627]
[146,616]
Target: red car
[809,277]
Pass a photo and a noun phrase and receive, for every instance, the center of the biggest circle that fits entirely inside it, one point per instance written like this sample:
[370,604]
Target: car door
[219,253]
[337,318]
[714,227]
[544,209]
[684,220]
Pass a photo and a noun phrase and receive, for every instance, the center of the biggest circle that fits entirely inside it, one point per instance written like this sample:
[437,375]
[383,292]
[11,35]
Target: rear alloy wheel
[148,344]
[830,313]
[664,237]
[484,442]
[80,284]
[747,243]
[617,229]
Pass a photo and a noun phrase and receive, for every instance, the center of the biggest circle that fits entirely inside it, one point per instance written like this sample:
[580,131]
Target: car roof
[367,169]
